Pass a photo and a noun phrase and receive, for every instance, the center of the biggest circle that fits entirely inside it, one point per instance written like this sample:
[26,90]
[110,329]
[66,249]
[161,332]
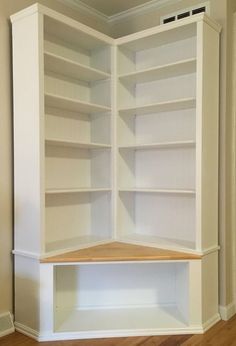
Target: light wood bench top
[117,251]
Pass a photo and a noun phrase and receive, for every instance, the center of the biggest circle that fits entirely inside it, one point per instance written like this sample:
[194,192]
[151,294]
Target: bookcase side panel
[207,136]
[28,133]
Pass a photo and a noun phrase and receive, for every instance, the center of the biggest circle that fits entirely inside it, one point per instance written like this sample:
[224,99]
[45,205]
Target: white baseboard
[210,323]
[54,336]
[6,324]
[27,331]
[228,311]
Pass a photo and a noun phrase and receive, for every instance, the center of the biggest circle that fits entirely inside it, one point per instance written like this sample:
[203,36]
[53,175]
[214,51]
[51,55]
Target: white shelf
[73,105]
[82,145]
[159,191]
[63,66]
[75,190]
[121,318]
[166,106]
[177,144]
[161,72]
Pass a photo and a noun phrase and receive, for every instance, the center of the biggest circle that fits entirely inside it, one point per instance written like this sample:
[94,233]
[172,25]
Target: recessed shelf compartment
[150,218]
[78,127]
[119,297]
[160,72]
[172,126]
[72,220]
[75,43]
[73,105]
[165,106]
[72,167]
[60,65]
[167,47]
[154,167]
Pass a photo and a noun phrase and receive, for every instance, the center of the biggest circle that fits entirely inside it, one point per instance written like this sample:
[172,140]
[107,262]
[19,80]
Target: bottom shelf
[165,243]
[114,319]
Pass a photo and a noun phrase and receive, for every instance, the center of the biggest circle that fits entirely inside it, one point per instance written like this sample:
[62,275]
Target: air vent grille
[203,8]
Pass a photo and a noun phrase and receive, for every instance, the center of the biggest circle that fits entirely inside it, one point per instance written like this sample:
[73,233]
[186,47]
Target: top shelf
[166,33]
[117,251]
[161,72]
[69,68]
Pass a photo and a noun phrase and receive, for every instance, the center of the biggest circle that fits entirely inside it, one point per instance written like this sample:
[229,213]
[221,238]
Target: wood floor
[222,334]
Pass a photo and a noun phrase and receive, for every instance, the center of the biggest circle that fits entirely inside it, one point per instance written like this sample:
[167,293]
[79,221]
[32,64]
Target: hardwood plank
[222,334]
[117,251]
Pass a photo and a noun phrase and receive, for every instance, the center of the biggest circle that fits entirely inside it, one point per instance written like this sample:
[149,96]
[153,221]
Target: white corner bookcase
[116,152]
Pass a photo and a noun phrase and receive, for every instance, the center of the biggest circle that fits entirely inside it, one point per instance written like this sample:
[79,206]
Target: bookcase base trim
[210,323]
[111,334]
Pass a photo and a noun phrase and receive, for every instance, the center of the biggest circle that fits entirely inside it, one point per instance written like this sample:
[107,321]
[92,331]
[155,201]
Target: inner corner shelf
[73,105]
[69,143]
[116,214]
[161,72]
[166,106]
[57,64]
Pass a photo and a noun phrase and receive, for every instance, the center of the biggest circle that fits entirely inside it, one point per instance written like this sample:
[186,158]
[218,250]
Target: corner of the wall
[6,324]
[228,311]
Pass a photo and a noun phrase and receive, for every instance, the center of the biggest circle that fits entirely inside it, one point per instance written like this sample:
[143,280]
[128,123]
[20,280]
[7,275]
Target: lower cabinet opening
[115,297]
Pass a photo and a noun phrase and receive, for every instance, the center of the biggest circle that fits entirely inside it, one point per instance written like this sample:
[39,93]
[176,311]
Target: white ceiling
[113,7]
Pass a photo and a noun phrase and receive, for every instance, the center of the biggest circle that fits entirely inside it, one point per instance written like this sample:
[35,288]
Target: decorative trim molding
[6,322]
[141,9]
[213,320]
[81,6]
[27,331]
[132,12]
[228,311]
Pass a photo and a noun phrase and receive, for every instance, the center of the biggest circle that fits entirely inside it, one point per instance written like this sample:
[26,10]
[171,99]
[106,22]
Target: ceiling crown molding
[141,9]
[132,12]
[82,7]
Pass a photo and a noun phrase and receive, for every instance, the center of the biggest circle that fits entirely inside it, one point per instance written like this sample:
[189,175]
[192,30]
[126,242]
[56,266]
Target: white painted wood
[157,127]
[160,72]
[73,105]
[116,297]
[67,143]
[28,133]
[207,130]
[120,141]
[209,286]
[160,145]
[60,65]
[161,191]
[165,106]
[27,292]
[171,212]
[152,167]
[60,191]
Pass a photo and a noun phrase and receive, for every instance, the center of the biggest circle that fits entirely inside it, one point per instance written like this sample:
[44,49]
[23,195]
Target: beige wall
[8,7]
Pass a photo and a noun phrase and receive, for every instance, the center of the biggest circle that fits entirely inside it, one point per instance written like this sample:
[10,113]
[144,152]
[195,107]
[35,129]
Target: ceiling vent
[187,12]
